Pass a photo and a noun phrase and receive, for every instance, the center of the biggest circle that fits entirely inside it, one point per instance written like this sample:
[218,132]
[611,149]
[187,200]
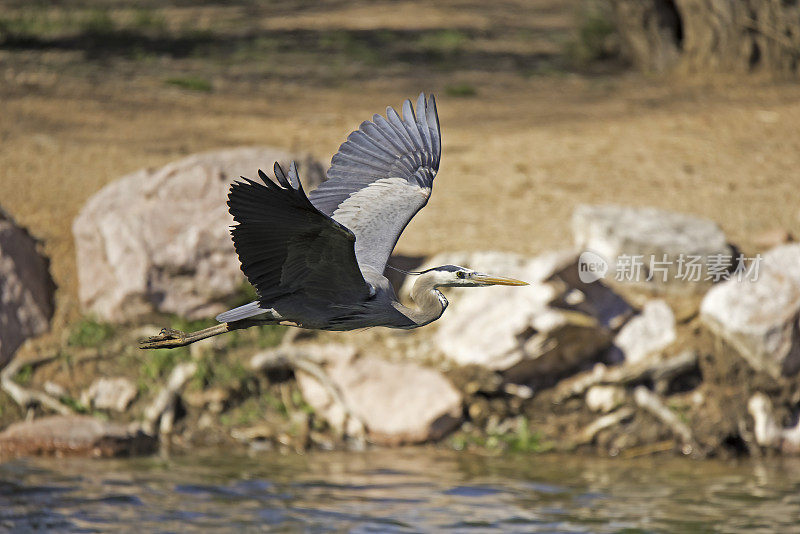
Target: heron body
[317,261]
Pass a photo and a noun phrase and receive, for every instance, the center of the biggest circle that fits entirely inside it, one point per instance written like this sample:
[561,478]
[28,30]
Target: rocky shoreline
[648,333]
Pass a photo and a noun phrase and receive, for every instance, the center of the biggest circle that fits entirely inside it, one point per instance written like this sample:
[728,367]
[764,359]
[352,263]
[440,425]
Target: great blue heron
[317,261]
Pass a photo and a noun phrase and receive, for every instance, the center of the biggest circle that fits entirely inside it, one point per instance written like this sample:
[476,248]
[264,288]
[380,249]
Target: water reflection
[399,491]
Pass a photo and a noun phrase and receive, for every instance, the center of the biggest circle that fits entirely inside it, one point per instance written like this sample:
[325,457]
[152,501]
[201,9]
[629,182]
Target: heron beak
[497,280]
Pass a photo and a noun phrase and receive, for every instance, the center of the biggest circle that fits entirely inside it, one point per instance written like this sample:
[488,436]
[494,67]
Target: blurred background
[688,106]
[544,105]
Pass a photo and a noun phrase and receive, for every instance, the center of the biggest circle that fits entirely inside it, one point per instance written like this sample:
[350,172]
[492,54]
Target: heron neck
[430,302]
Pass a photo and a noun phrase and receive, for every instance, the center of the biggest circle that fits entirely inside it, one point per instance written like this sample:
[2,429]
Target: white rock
[647,333]
[604,398]
[159,239]
[398,402]
[109,394]
[760,318]
[767,431]
[534,333]
[614,231]
[26,289]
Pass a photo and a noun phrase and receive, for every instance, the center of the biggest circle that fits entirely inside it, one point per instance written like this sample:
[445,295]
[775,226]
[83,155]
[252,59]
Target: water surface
[408,490]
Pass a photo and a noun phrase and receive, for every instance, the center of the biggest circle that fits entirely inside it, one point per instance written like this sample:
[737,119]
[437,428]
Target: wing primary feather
[410,124]
[433,123]
[294,178]
[422,123]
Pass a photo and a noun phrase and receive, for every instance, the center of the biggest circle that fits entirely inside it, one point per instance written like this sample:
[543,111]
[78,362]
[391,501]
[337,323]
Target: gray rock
[109,394]
[760,318]
[73,435]
[647,333]
[533,334]
[398,402]
[159,239]
[26,289]
[619,233]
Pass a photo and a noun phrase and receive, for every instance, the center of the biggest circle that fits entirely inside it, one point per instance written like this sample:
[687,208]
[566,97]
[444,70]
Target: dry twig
[26,397]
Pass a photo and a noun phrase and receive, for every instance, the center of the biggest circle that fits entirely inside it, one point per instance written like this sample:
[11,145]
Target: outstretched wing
[381,177]
[288,246]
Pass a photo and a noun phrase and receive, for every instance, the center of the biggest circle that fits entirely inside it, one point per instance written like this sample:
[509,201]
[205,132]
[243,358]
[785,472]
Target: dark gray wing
[287,246]
[381,177]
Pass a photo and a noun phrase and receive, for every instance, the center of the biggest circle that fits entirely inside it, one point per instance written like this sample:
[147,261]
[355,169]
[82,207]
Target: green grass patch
[160,362]
[24,375]
[191,83]
[461,90]
[74,404]
[89,332]
[521,440]
[222,373]
[443,42]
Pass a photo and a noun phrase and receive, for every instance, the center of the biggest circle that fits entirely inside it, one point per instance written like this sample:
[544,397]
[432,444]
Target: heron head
[455,276]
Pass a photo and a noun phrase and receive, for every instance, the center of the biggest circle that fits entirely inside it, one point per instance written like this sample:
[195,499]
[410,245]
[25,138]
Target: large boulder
[533,334]
[158,239]
[759,314]
[26,289]
[81,435]
[398,402]
[686,253]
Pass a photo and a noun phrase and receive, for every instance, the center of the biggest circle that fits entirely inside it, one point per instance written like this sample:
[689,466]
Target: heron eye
[460,274]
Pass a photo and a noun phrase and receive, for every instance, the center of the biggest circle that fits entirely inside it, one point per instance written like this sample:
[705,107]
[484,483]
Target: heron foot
[167,338]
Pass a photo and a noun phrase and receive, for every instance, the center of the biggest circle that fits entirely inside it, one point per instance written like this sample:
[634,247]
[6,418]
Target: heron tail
[242,312]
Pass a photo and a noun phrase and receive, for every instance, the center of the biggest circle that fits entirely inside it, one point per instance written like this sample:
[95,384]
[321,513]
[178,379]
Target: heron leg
[170,338]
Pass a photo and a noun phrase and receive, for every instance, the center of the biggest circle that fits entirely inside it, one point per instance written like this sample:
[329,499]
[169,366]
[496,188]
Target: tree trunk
[710,35]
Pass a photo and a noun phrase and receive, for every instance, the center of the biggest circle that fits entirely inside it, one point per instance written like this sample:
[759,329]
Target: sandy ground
[518,156]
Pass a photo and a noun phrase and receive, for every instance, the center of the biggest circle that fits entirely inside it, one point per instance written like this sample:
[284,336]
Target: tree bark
[710,35]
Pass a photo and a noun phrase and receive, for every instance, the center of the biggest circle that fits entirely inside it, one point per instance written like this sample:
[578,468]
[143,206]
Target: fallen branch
[601,423]
[654,369]
[26,397]
[162,409]
[651,402]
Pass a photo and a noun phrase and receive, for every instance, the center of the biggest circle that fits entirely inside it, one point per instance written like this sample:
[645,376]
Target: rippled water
[406,490]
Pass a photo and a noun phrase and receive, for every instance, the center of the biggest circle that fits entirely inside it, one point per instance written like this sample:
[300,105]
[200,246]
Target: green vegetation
[98,22]
[443,43]
[76,405]
[461,90]
[595,37]
[24,375]
[89,332]
[520,440]
[190,83]
[523,440]
[147,19]
[158,363]
[211,371]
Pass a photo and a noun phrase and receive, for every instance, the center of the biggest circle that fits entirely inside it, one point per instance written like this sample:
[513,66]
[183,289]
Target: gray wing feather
[287,246]
[381,177]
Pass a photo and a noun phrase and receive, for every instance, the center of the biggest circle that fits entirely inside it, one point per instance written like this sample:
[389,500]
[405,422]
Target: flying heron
[317,260]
